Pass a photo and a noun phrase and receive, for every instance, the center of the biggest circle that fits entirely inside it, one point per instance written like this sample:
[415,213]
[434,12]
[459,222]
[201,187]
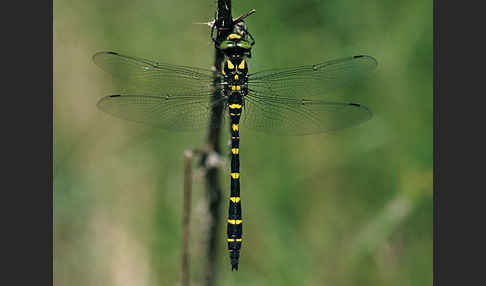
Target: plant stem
[224,26]
[186,218]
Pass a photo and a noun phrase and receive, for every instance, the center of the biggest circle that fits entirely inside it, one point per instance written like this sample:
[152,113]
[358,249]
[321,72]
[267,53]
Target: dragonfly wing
[176,114]
[162,95]
[315,81]
[289,116]
[142,76]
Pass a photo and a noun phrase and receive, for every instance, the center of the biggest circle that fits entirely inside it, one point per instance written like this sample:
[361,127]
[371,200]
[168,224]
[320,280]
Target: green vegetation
[348,208]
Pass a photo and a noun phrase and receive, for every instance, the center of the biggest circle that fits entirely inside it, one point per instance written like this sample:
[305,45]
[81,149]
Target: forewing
[145,77]
[162,95]
[315,81]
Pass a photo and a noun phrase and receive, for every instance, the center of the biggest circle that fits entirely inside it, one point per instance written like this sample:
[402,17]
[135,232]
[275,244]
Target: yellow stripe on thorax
[235,127]
[235,151]
[230,64]
[235,175]
[235,199]
[242,65]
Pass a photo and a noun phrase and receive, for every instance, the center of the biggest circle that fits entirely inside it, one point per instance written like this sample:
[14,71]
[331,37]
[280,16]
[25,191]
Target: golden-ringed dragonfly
[298,100]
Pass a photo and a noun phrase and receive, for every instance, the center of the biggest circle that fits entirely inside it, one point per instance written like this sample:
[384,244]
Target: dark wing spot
[115,95]
[355,104]
[360,56]
[112,53]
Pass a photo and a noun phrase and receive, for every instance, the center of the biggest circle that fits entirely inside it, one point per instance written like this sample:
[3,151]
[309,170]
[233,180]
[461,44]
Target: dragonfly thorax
[235,70]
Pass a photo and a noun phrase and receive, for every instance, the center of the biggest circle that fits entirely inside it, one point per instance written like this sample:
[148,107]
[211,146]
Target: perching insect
[283,101]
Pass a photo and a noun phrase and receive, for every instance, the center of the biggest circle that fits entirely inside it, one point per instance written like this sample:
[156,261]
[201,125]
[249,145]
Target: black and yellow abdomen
[235,72]
[235,221]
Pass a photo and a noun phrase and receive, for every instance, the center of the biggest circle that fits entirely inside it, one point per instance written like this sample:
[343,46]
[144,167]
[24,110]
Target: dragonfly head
[236,45]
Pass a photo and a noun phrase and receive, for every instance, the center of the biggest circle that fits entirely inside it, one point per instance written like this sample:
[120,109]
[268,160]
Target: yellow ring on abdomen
[235,221]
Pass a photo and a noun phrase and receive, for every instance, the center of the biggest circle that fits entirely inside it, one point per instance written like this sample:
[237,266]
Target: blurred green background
[351,208]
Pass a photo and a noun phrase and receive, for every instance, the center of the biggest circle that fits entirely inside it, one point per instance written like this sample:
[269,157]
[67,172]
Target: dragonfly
[296,101]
